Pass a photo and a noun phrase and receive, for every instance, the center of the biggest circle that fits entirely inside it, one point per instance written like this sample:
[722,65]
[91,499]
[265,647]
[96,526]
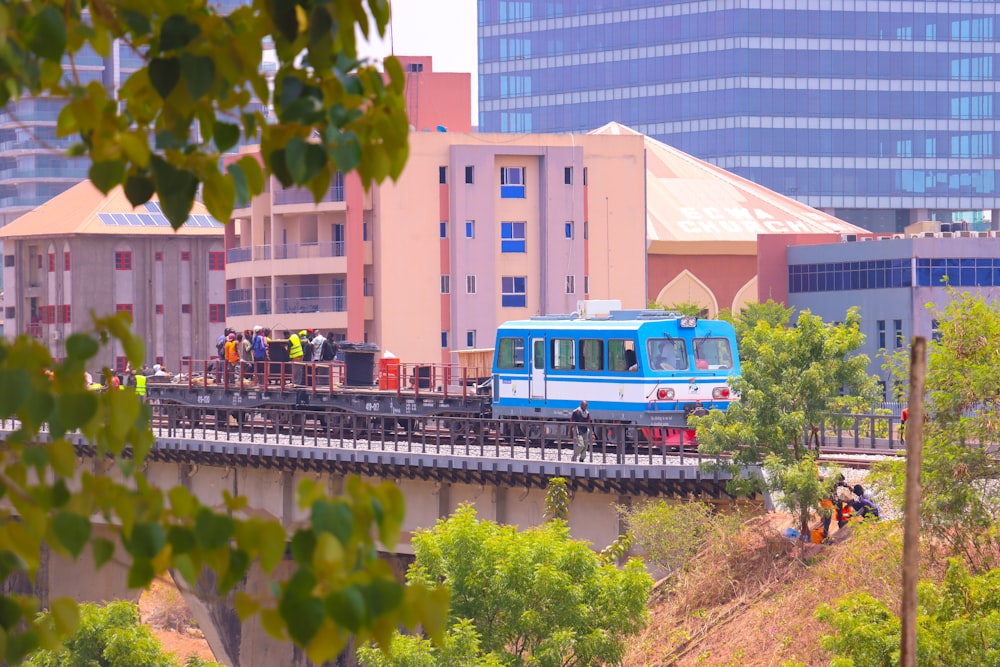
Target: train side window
[621,355]
[591,354]
[713,353]
[667,354]
[510,353]
[563,354]
[538,359]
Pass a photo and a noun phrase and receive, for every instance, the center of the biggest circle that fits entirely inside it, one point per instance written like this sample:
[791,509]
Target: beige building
[83,250]
[479,229]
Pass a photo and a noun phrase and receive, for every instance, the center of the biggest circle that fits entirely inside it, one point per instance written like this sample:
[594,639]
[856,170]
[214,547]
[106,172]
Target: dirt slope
[163,609]
[751,603]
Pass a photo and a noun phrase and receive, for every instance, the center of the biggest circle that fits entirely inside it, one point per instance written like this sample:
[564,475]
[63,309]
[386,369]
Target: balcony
[286,196]
[318,304]
[234,255]
[309,250]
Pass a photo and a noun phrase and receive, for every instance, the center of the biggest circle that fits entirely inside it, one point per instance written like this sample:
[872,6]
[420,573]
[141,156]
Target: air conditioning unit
[981,235]
[963,234]
[943,235]
[899,236]
[929,235]
[867,238]
[849,238]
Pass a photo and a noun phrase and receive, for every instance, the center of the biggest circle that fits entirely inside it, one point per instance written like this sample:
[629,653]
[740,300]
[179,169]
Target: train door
[537,368]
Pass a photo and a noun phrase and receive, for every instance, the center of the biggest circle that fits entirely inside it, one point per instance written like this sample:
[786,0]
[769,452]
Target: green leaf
[81,346]
[103,550]
[239,564]
[146,541]
[10,612]
[284,17]
[303,545]
[272,543]
[242,194]
[347,607]
[212,530]
[72,531]
[177,32]
[304,159]
[254,173]
[198,73]
[136,22]
[225,135]
[164,73]
[333,517]
[76,409]
[46,33]
[62,455]
[176,188]
[181,539]
[140,575]
[218,193]
[65,615]
[276,161]
[15,387]
[139,189]
[346,152]
[107,174]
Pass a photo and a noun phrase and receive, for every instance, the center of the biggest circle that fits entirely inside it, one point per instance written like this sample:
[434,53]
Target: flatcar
[643,368]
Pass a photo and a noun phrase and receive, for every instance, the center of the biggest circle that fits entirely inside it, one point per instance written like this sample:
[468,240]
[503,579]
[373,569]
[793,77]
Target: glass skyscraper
[879,112]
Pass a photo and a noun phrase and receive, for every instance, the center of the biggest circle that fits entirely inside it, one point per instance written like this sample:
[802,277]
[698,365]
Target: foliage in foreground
[109,635]
[200,91]
[960,498]
[338,586]
[533,597]
[958,624]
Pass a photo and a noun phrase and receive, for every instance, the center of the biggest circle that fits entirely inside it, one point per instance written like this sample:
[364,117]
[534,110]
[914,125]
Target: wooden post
[911,515]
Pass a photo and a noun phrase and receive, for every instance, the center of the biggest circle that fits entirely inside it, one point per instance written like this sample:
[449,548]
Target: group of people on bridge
[244,355]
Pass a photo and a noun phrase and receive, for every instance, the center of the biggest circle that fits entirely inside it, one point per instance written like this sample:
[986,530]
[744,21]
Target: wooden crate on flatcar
[477,364]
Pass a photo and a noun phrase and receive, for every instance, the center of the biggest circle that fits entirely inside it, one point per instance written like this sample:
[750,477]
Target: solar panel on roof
[107,219]
[153,206]
[147,219]
[121,219]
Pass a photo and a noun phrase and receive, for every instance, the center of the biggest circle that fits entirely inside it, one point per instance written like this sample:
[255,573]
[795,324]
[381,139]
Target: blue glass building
[880,113]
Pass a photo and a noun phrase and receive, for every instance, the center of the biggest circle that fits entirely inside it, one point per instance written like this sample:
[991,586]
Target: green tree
[460,648]
[684,307]
[193,99]
[958,624]
[961,501]
[533,597]
[793,378]
[200,90]
[109,635]
[670,534]
[772,312]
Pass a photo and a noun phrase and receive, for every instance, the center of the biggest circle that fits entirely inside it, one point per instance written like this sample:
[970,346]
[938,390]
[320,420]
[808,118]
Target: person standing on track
[580,417]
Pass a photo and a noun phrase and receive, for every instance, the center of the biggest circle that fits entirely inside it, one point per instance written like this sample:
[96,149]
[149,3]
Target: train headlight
[688,322]
[720,392]
[665,394]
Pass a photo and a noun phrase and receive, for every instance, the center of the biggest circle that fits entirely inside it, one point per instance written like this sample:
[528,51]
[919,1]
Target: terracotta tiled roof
[689,200]
[83,209]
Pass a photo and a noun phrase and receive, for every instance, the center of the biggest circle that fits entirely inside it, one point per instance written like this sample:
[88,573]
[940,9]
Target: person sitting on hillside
[863,504]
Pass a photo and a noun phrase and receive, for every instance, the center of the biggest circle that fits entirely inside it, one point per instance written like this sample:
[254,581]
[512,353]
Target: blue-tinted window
[444,339]
[512,182]
[513,294]
[569,230]
[470,229]
[512,237]
[444,229]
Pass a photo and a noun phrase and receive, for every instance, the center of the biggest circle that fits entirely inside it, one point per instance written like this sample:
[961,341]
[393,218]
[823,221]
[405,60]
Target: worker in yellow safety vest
[295,355]
[140,385]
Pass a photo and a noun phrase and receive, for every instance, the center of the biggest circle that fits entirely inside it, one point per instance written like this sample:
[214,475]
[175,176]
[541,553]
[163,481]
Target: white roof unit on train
[594,308]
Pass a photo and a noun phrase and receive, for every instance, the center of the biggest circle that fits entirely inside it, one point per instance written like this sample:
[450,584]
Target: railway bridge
[264,461]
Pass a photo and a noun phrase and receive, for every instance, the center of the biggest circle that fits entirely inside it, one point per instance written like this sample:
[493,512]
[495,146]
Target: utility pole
[911,514]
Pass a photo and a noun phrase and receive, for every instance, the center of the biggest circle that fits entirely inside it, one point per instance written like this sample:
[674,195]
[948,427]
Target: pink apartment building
[479,229]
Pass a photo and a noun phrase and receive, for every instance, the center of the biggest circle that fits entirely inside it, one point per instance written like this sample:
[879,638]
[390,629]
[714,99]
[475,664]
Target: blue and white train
[647,368]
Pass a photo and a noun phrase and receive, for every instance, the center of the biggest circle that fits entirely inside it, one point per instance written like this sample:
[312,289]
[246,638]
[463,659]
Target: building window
[897,327]
[513,293]
[185,308]
[185,255]
[158,256]
[159,309]
[470,338]
[442,175]
[216,261]
[445,284]
[570,284]
[444,339]
[470,284]
[586,284]
[65,314]
[364,231]
[935,330]
[585,177]
[443,231]
[568,175]
[52,262]
[159,360]
[217,312]
[121,363]
[9,312]
[880,324]
[39,262]
[123,260]
[127,307]
[586,230]
[8,260]
[512,182]
[50,314]
[470,229]
[512,236]
[568,229]
[470,173]
[66,262]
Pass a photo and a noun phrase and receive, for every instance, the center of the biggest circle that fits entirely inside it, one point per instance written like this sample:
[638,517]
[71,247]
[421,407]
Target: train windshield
[667,354]
[713,353]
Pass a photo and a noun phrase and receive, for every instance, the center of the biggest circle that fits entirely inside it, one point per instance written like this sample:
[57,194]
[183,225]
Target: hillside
[751,603]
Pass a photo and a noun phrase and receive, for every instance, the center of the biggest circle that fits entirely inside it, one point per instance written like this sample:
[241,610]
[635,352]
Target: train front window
[591,354]
[510,353]
[621,355]
[563,354]
[713,353]
[667,354]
